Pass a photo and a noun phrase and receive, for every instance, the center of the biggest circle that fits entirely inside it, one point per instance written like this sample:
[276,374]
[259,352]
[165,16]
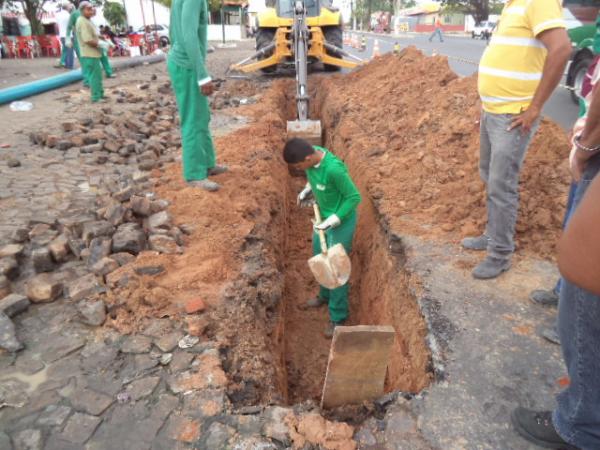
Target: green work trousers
[106,64]
[78,53]
[337,298]
[194,113]
[93,71]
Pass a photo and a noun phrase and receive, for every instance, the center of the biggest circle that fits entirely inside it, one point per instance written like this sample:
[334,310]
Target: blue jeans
[577,416]
[438,33]
[568,213]
[68,52]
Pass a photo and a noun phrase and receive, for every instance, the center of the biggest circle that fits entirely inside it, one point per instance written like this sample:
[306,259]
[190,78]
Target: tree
[114,13]
[479,9]
[33,11]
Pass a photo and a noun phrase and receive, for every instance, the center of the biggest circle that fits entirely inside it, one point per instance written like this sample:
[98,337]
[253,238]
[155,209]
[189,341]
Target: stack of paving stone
[73,256]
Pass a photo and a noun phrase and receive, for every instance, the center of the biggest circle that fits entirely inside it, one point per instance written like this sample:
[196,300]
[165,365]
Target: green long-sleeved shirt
[72,22]
[332,187]
[188,33]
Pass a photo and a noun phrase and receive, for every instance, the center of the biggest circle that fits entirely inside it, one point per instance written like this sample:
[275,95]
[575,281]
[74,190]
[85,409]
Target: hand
[525,120]
[331,222]
[68,43]
[305,197]
[207,88]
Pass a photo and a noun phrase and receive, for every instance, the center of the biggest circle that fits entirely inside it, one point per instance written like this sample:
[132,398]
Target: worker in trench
[192,85]
[330,185]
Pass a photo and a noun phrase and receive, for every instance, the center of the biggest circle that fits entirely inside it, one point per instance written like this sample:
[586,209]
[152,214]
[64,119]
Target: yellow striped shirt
[511,67]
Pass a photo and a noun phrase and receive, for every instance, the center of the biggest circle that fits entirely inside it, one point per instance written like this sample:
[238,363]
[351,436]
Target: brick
[59,248]
[80,428]
[357,365]
[44,288]
[11,250]
[14,304]
[194,305]
[95,229]
[83,287]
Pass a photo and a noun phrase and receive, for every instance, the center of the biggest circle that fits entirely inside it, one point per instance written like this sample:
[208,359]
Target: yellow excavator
[298,33]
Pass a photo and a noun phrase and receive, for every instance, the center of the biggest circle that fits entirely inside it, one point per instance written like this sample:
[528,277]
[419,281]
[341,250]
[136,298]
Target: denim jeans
[68,55]
[438,33]
[568,213]
[501,157]
[577,416]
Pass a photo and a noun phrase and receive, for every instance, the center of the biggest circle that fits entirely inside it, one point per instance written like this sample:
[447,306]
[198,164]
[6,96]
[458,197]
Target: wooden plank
[357,365]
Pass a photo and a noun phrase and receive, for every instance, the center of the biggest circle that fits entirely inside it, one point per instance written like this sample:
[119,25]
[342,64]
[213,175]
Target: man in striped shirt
[517,74]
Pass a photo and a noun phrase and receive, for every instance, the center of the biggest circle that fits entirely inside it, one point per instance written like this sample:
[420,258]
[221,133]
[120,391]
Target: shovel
[332,266]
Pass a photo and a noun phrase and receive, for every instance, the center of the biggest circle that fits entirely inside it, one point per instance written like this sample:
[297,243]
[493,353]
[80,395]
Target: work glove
[68,42]
[103,45]
[331,222]
[305,197]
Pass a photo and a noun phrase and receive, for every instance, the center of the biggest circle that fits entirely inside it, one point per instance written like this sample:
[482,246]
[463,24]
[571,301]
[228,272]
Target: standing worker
[104,58]
[438,30]
[62,19]
[518,72]
[71,39]
[329,183]
[192,84]
[91,50]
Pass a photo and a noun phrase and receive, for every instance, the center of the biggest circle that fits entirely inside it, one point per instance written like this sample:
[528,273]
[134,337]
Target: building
[422,18]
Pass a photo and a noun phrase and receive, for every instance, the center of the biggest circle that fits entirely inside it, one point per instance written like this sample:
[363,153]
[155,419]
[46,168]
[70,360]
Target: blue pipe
[36,87]
[47,84]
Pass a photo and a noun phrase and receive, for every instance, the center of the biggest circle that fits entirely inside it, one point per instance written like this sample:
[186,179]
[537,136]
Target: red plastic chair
[50,45]
[24,46]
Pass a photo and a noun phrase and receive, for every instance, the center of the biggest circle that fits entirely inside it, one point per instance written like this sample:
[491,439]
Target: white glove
[103,45]
[68,42]
[305,197]
[331,222]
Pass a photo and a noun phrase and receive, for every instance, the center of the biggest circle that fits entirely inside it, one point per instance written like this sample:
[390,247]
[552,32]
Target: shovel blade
[309,130]
[331,270]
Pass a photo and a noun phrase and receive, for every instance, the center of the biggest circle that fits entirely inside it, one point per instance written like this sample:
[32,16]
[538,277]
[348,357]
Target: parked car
[483,30]
[162,30]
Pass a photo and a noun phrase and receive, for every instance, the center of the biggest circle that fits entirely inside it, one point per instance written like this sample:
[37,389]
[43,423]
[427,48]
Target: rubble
[5,288]
[8,337]
[14,304]
[43,288]
[93,312]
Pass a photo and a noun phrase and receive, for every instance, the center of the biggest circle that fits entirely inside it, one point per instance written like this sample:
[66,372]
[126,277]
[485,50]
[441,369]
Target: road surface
[463,56]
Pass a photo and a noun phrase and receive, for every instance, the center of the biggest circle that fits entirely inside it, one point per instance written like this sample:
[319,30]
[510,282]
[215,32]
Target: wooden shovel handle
[321,232]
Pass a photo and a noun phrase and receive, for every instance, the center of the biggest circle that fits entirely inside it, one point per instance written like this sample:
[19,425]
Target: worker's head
[86,9]
[300,154]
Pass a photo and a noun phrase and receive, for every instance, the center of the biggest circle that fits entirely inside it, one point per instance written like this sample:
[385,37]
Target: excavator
[299,33]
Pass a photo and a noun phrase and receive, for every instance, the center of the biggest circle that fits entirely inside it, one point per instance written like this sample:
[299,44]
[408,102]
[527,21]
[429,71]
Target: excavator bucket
[309,130]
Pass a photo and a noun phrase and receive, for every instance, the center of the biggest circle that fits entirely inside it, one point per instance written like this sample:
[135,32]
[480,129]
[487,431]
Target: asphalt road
[463,56]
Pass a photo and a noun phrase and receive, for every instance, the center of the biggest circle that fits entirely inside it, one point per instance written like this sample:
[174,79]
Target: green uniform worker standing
[91,50]
[192,84]
[71,39]
[330,185]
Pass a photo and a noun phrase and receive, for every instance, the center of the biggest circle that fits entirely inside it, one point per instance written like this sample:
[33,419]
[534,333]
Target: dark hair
[296,150]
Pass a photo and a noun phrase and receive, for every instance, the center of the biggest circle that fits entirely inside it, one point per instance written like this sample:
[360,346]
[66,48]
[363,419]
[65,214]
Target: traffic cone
[376,51]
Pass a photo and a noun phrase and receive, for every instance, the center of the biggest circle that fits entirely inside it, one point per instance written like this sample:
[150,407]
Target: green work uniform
[90,56]
[335,193]
[106,64]
[186,64]
[71,33]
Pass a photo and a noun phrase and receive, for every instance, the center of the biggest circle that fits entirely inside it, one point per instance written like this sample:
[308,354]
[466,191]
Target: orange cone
[376,51]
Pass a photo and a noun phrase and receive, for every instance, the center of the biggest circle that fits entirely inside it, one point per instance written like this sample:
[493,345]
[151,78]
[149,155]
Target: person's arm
[589,138]
[190,15]
[350,194]
[579,247]
[558,45]
[87,34]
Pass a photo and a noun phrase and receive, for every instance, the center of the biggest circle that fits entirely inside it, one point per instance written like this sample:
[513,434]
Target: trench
[382,292]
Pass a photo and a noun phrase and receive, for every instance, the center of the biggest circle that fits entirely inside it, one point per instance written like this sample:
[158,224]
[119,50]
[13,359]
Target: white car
[162,30]
[483,30]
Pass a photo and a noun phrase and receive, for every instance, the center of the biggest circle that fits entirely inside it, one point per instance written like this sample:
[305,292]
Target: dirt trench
[382,293]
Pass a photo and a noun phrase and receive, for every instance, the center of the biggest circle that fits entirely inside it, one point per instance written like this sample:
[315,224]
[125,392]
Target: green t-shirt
[86,31]
[188,34]
[332,187]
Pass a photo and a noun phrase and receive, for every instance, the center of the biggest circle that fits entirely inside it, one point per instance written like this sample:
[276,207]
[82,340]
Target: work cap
[83,5]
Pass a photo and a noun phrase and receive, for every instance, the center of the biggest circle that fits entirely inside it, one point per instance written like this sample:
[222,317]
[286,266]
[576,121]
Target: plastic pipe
[47,84]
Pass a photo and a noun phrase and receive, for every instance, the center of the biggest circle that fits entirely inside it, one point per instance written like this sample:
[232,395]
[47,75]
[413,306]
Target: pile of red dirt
[408,125]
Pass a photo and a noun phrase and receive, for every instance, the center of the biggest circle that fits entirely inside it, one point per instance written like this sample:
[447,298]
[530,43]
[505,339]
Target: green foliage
[479,9]
[114,13]
[166,3]
[33,11]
